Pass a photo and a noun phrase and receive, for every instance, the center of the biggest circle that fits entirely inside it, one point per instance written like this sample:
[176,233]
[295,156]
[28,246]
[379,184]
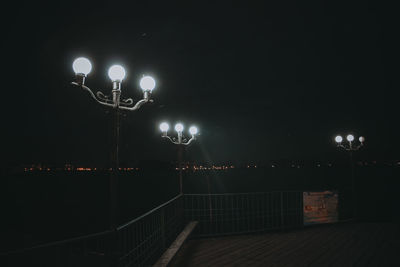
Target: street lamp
[116,73]
[351,146]
[181,141]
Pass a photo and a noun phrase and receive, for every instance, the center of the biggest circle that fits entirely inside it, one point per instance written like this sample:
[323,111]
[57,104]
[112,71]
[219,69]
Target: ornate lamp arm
[350,148]
[190,140]
[126,102]
[342,146]
[357,147]
[123,104]
[102,102]
[179,143]
[136,106]
[170,139]
[104,98]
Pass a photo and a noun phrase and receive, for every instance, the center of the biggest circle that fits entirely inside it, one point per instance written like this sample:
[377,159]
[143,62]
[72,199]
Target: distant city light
[42,167]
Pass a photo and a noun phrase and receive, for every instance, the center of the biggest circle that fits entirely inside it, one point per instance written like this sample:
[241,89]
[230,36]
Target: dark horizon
[260,81]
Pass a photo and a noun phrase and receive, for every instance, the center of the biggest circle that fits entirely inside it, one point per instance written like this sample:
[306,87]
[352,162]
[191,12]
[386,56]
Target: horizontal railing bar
[251,193]
[149,212]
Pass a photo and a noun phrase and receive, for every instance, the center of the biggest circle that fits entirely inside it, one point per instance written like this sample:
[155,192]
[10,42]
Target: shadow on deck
[345,244]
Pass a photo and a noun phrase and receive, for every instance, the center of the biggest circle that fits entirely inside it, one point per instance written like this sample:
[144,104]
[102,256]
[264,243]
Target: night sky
[262,82]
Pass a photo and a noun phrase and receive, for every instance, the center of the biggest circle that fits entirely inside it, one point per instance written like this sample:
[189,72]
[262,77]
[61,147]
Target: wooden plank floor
[346,244]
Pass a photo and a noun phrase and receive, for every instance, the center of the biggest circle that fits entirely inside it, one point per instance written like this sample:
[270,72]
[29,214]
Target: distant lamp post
[181,141]
[116,73]
[351,146]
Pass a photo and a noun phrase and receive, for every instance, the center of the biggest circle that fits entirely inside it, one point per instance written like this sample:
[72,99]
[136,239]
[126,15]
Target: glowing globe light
[193,130]
[164,127]
[147,83]
[82,65]
[179,127]
[338,139]
[116,73]
[350,138]
[361,139]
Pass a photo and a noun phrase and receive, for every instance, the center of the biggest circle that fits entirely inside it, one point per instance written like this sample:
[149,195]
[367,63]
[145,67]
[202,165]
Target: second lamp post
[181,141]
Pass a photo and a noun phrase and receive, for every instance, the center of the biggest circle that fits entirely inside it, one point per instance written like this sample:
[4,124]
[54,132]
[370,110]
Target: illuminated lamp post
[181,142]
[351,146]
[116,73]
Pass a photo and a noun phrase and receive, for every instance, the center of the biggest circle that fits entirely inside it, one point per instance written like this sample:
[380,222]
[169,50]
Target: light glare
[82,65]
[116,73]
[147,83]
[350,138]
[164,127]
[193,130]
[338,139]
[179,127]
[361,139]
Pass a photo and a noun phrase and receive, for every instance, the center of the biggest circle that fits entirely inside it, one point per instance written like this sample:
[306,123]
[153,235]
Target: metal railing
[142,241]
[139,242]
[225,214]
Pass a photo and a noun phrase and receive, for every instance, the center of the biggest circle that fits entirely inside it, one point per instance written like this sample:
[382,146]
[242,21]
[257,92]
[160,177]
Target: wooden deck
[345,244]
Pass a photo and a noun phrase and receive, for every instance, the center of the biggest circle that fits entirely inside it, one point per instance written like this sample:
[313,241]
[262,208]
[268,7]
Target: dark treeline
[39,207]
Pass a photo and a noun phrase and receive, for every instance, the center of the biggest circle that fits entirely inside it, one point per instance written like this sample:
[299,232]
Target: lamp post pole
[114,171]
[181,142]
[82,68]
[350,146]
[180,159]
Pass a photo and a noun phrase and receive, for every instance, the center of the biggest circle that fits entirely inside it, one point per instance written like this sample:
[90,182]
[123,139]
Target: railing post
[282,225]
[182,209]
[209,197]
[113,249]
[163,238]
